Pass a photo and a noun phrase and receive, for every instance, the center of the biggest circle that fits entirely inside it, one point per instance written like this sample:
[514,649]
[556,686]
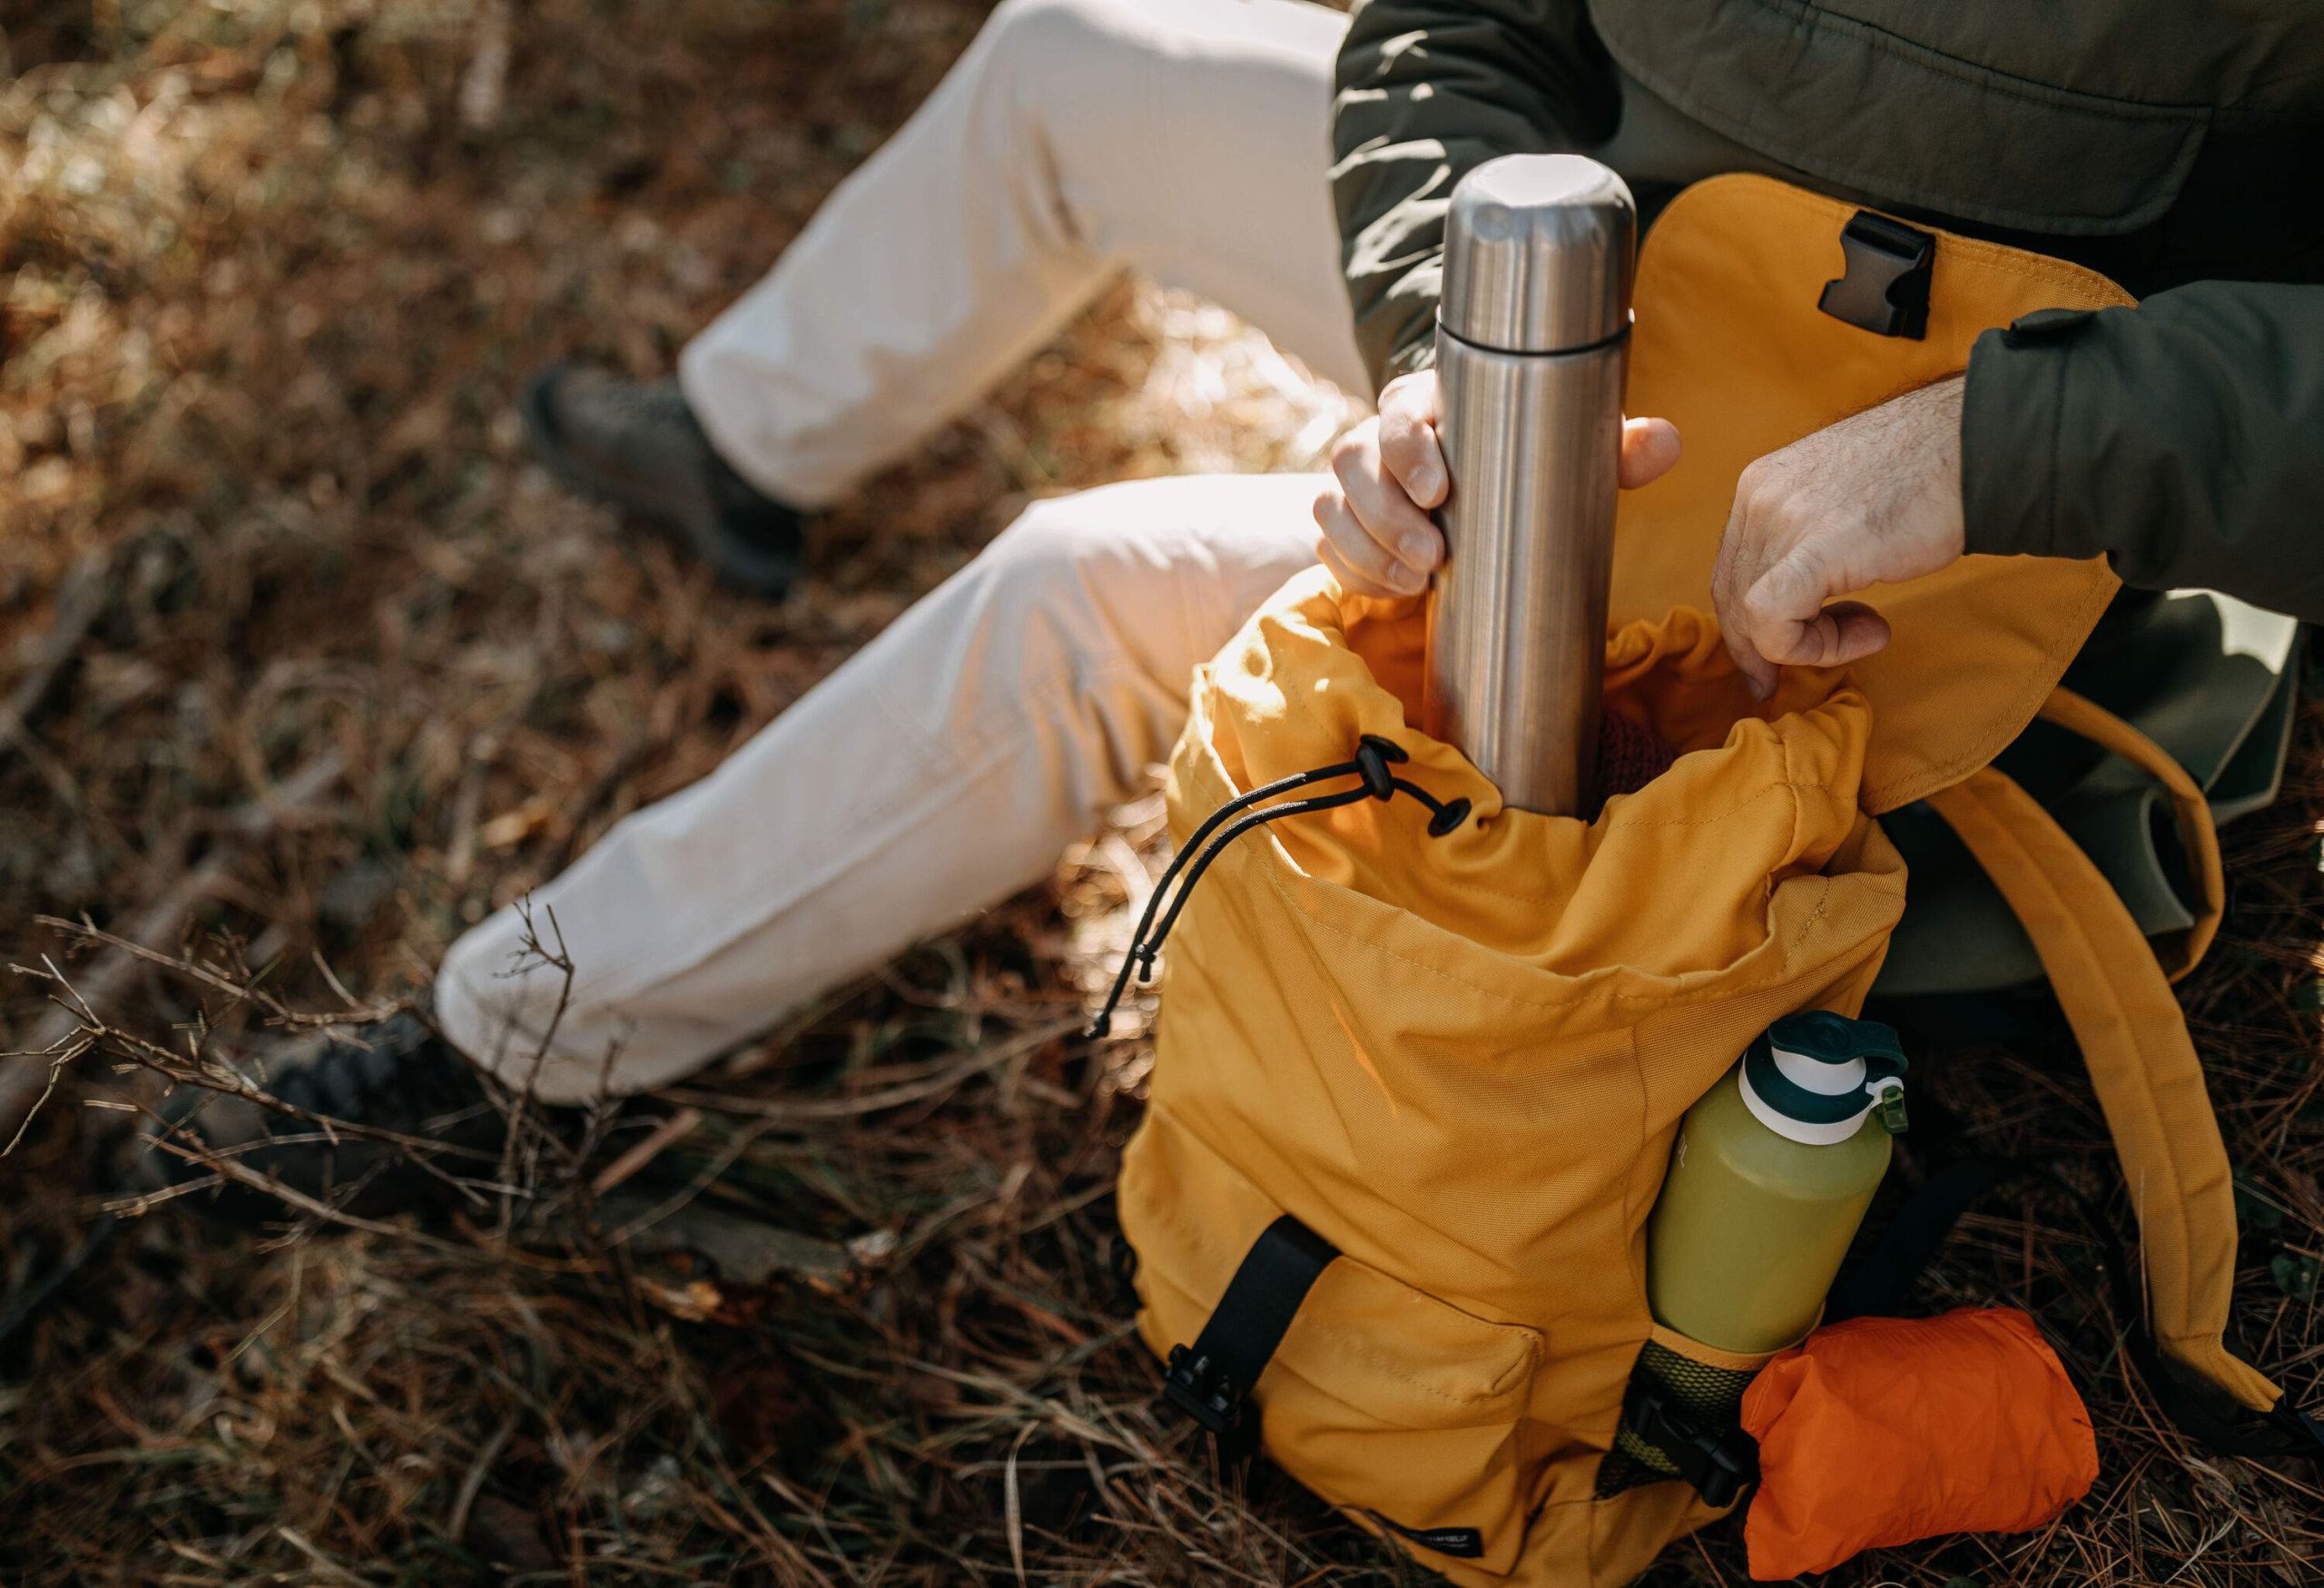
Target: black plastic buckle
[1885,286]
[1201,1388]
[1718,1462]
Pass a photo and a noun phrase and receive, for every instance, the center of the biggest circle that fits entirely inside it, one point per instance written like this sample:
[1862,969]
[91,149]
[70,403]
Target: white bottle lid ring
[1812,1078]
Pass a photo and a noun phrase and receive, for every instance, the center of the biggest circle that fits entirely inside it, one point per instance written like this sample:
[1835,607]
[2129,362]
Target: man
[944,766]
[2170,146]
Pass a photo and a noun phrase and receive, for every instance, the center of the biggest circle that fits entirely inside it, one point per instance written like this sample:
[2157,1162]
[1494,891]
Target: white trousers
[946,765]
[940,769]
[1188,139]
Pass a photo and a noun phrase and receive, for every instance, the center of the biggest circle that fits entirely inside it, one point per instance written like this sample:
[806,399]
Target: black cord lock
[1374,755]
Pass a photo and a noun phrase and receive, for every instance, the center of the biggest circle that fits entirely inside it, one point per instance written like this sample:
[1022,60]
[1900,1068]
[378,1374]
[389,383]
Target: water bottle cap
[1814,1077]
[1538,255]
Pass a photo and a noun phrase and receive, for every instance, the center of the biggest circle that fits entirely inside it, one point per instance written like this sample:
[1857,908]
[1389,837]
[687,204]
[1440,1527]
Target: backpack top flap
[1731,346]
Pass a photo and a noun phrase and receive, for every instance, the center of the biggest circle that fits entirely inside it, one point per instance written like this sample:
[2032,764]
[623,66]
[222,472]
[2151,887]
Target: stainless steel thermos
[1532,339]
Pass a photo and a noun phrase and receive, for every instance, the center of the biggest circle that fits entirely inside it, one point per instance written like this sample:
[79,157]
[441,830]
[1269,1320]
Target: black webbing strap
[1211,1380]
[1879,1285]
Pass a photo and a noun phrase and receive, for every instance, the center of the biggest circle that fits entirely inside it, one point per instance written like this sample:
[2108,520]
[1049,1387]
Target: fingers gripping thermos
[1532,343]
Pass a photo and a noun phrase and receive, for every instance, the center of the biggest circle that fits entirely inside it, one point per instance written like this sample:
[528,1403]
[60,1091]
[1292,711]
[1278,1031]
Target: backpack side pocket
[1401,1408]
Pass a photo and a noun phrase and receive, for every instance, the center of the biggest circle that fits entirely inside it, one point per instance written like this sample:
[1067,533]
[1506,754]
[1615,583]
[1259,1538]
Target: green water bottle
[1771,1174]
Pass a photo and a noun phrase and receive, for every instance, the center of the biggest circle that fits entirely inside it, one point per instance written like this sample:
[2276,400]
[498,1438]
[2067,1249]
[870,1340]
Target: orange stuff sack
[1880,1431]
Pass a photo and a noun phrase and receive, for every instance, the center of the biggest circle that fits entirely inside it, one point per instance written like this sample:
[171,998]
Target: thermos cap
[1538,252]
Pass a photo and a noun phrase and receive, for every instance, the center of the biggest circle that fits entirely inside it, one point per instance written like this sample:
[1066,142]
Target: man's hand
[1389,475]
[1876,496]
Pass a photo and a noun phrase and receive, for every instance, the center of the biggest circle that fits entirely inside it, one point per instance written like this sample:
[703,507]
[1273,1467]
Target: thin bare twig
[24,1086]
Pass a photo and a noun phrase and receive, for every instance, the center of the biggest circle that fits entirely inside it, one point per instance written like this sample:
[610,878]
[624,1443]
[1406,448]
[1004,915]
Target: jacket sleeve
[2184,439]
[1424,90]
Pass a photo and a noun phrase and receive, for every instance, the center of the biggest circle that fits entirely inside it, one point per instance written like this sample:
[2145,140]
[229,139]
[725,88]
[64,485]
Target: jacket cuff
[2012,413]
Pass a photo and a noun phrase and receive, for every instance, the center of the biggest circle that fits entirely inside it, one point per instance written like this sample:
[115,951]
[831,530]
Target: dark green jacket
[2176,145]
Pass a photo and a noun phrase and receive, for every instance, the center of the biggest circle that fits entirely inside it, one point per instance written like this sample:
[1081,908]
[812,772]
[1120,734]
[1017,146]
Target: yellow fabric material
[1730,347]
[2197,834]
[1462,1061]
[2142,1067]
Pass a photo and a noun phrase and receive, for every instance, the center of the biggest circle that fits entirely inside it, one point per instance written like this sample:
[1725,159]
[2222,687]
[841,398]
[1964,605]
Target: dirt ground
[303,668]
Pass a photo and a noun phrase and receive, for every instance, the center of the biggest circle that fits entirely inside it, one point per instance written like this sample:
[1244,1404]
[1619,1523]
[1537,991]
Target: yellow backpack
[1421,1058]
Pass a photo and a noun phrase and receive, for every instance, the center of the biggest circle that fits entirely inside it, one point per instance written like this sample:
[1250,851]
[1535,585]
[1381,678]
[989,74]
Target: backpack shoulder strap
[2141,1062]
[2197,833]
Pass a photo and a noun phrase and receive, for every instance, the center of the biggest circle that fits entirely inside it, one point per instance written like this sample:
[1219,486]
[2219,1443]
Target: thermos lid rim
[1539,251]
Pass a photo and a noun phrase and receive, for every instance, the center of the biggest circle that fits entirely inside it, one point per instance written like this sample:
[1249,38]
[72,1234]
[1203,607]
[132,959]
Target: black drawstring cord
[1137,958]
[1373,757]
[1192,848]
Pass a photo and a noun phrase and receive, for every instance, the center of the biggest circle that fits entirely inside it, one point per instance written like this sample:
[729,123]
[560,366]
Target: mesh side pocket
[1711,1391]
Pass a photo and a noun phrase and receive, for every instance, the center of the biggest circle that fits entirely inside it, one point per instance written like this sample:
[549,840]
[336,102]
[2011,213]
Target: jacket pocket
[1682,1394]
[1399,1408]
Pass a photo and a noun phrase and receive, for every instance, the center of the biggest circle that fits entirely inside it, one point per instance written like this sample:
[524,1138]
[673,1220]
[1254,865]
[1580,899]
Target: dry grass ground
[314,670]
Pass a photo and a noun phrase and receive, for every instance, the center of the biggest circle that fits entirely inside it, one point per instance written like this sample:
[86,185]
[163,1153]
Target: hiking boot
[396,1076]
[637,445]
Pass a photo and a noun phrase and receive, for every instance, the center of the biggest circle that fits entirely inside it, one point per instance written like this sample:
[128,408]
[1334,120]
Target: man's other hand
[1875,498]
[1389,474]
